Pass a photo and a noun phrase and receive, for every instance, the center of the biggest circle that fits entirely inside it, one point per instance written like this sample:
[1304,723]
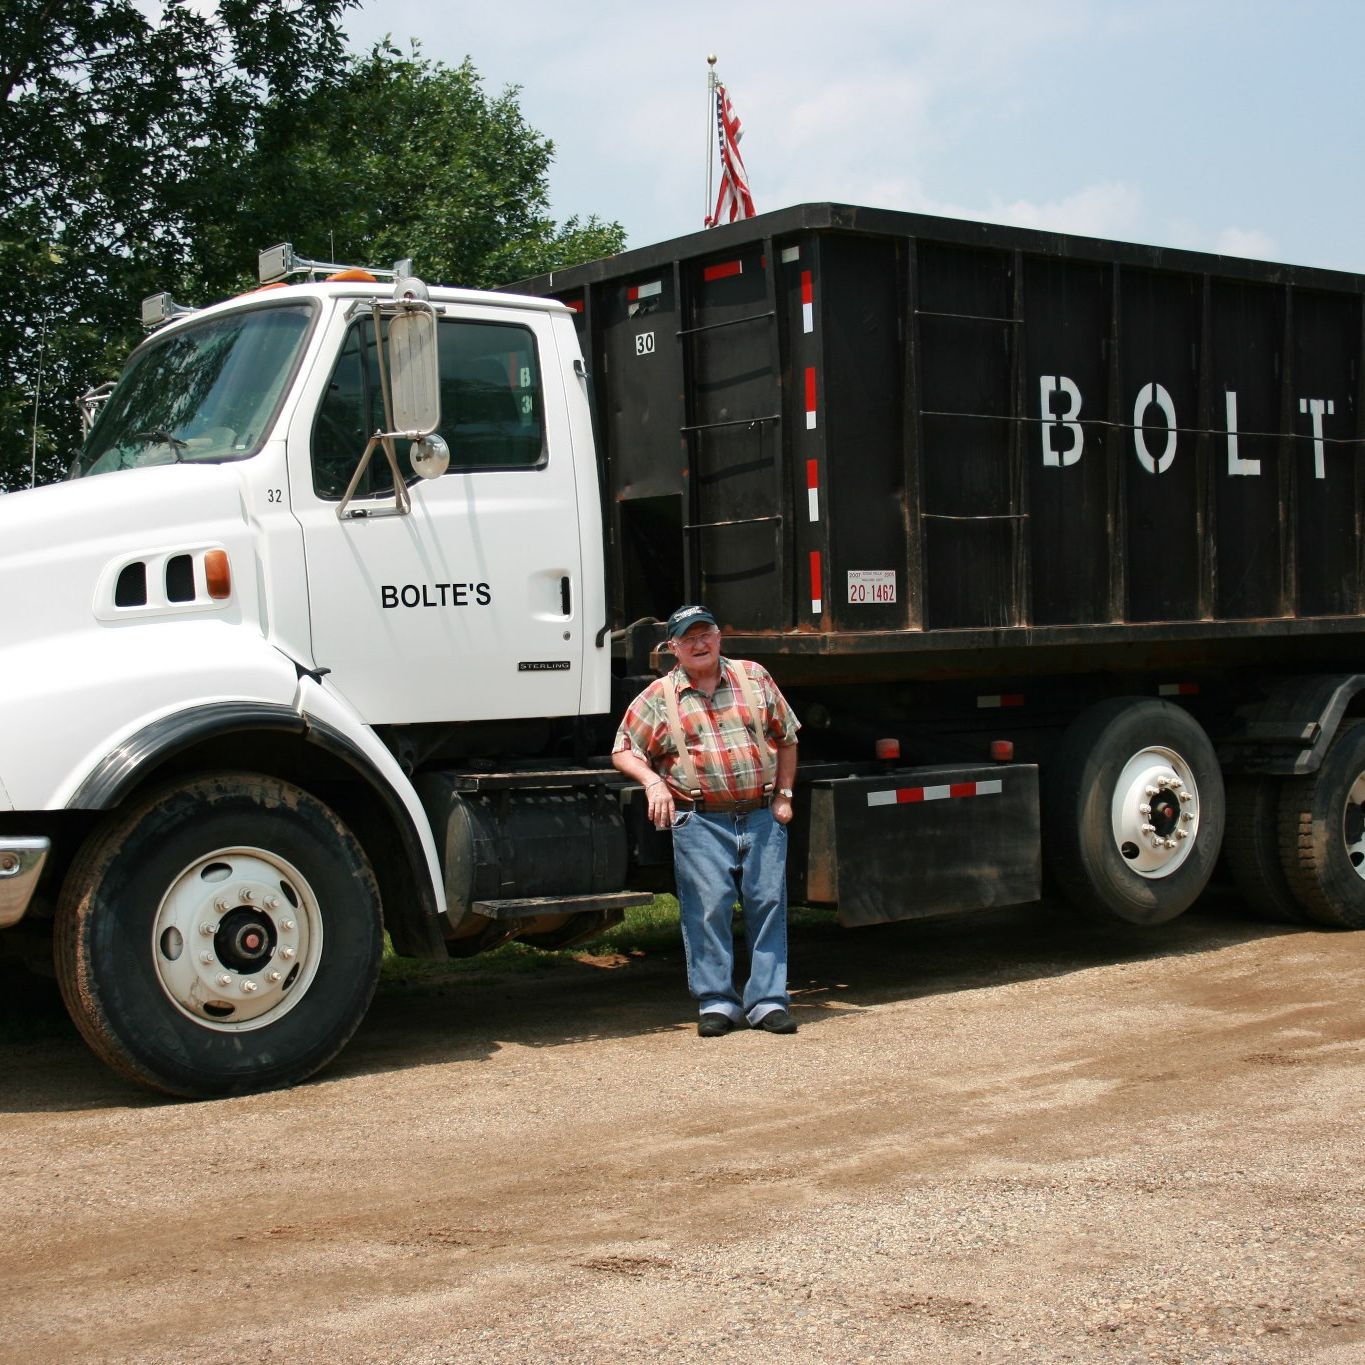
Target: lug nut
[1149,791]
[286,953]
[1186,797]
[1145,808]
[272,976]
[272,902]
[1182,834]
[244,894]
[248,986]
[225,980]
[287,925]
[1147,829]
[206,958]
[222,905]
[1187,816]
[208,929]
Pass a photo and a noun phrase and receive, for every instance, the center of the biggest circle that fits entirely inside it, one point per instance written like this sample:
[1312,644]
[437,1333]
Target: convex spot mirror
[414,373]
[430,457]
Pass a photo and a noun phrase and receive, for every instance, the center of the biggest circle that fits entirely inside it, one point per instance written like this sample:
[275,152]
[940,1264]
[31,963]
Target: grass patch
[645,931]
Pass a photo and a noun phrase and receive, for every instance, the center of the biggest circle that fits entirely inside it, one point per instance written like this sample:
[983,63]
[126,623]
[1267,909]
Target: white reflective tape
[810,421]
[816,605]
[985,703]
[990,788]
[648,291]
[813,503]
[790,254]
[937,793]
[881,798]
[807,317]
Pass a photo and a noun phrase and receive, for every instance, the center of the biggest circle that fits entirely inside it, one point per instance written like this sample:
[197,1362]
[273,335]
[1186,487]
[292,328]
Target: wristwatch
[784,791]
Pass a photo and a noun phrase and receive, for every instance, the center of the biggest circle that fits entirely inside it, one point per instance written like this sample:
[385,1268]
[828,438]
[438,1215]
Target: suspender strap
[684,770]
[766,753]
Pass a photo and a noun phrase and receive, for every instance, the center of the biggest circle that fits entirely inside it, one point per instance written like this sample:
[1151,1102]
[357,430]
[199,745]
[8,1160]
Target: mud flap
[919,842]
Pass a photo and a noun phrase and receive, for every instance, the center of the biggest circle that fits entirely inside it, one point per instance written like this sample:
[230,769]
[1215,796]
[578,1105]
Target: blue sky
[1218,126]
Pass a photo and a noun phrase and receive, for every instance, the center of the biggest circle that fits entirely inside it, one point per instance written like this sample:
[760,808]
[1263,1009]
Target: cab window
[491,406]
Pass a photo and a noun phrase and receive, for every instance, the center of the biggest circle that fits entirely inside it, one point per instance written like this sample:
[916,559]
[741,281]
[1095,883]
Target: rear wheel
[1322,834]
[1251,850]
[1133,809]
[222,936]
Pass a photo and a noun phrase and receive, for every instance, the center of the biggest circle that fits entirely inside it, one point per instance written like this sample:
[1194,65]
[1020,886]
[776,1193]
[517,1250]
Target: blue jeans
[718,859]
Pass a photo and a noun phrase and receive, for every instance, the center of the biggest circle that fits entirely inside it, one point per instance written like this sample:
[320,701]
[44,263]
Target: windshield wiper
[163,438]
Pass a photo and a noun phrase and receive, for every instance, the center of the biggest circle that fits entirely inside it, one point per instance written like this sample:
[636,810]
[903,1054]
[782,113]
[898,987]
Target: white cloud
[1235,241]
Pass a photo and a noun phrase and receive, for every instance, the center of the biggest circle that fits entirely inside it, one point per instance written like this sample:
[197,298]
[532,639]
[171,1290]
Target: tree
[138,155]
[108,119]
[402,156]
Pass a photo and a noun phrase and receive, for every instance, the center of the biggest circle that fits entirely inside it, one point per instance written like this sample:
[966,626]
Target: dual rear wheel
[1135,811]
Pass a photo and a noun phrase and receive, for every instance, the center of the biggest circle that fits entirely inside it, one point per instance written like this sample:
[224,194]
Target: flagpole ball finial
[710,59]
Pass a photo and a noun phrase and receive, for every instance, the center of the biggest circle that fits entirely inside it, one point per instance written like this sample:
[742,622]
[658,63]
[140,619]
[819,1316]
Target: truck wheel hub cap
[1155,812]
[237,939]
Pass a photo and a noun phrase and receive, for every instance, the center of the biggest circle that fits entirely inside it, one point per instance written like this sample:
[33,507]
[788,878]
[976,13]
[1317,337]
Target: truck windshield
[202,394]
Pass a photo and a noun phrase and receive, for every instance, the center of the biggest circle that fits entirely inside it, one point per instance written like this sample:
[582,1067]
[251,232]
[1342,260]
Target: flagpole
[710,130]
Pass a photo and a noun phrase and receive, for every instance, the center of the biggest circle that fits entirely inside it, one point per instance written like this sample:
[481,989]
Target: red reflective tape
[905,795]
[575,304]
[722,271]
[633,294]
[815,575]
[810,388]
[1012,699]
[812,474]
[806,295]
[962,789]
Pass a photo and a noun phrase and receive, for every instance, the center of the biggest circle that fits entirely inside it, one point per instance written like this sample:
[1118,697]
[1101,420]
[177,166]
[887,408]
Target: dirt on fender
[1011,1136]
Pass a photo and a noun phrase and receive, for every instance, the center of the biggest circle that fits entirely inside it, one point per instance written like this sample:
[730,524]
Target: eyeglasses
[698,639]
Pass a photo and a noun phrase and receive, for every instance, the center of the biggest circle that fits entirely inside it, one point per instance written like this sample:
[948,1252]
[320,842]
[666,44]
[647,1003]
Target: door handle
[565,602]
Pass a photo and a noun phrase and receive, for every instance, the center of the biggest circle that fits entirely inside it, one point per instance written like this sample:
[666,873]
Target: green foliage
[141,154]
[406,157]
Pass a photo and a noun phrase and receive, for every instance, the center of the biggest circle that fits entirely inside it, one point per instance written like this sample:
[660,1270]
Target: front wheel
[224,935]
[1133,810]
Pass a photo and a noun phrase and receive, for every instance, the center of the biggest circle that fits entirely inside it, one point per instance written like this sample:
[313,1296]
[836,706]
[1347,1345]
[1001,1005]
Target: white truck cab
[314,530]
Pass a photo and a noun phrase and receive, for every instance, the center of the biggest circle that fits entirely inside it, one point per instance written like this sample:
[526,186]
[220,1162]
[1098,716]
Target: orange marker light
[218,574]
[346,276]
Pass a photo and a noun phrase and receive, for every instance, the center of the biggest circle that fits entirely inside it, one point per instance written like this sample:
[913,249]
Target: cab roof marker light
[278,263]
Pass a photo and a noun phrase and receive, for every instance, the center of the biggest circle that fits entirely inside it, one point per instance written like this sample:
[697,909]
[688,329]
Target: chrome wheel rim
[237,939]
[1155,812]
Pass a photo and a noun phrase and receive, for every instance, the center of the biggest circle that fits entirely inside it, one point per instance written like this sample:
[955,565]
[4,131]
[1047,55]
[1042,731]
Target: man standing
[713,743]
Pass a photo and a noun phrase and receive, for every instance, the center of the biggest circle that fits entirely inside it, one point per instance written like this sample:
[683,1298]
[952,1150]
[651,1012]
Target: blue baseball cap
[685,618]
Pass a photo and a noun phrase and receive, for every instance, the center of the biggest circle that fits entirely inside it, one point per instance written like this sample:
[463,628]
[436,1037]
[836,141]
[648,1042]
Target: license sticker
[871,585]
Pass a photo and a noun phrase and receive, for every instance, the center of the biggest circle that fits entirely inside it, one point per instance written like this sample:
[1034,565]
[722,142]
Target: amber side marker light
[218,574]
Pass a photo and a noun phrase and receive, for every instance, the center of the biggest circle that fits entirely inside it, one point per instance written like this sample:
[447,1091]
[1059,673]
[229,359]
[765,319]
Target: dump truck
[1054,544]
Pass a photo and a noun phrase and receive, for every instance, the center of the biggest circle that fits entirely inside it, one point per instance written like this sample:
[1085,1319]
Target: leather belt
[718,807]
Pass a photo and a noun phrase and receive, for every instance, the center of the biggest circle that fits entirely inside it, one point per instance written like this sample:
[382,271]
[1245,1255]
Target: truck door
[467,608]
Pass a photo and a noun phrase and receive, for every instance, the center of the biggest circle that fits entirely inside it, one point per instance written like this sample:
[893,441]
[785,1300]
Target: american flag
[734,200]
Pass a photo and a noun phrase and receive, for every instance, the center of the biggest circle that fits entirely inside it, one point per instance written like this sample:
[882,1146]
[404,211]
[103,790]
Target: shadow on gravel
[469,1016]
[832,971]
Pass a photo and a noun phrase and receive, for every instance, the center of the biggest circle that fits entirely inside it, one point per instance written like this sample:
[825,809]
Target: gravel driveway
[1009,1137]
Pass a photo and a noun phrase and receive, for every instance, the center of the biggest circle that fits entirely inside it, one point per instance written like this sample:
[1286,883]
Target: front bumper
[21,863]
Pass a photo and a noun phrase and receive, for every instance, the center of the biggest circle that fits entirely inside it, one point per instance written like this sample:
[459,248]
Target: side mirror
[414,372]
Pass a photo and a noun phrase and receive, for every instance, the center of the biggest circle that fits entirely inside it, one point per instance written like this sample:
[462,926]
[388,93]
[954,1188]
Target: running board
[531,906]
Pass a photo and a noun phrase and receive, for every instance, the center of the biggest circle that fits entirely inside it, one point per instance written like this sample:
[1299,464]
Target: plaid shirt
[715,730]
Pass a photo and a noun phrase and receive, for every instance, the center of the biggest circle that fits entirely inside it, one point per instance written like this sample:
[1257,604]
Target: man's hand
[782,809]
[660,800]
